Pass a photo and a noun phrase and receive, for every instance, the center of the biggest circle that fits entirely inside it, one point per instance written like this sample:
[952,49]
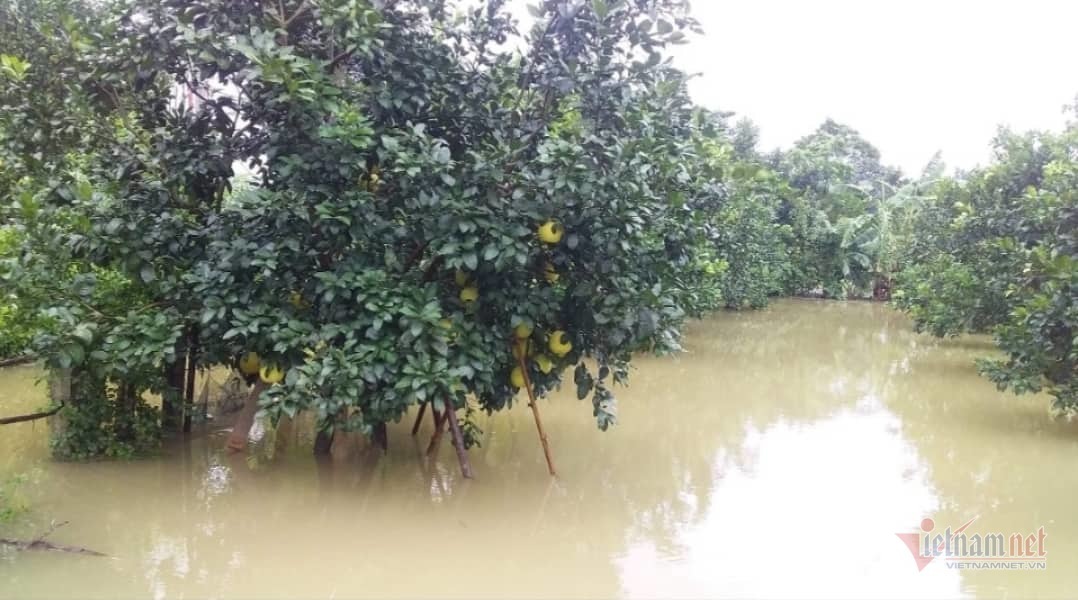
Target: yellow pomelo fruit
[375,180]
[559,343]
[550,232]
[550,274]
[469,294]
[461,277]
[516,377]
[249,363]
[522,331]
[271,374]
[544,363]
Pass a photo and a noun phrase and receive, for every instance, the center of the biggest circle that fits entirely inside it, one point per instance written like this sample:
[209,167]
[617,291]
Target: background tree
[61,113]
[994,251]
[832,164]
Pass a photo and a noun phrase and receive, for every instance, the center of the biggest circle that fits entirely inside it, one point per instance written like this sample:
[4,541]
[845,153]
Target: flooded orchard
[779,456]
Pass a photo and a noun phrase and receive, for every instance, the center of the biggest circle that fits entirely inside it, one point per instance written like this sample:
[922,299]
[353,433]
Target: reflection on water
[778,457]
[813,512]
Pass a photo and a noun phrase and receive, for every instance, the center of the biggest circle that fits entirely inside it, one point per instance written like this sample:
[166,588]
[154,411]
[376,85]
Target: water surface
[777,457]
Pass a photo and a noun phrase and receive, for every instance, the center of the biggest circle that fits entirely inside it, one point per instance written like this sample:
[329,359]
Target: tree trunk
[419,418]
[882,289]
[380,437]
[458,443]
[323,442]
[189,385]
[174,378]
[439,425]
[60,394]
[237,440]
[125,397]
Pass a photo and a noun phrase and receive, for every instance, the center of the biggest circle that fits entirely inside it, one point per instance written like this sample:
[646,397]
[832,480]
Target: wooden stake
[535,413]
[419,418]
[458,443]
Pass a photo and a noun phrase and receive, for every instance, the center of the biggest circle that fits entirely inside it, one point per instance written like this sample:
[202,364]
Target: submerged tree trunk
[882,289]
[60,394]
[439,426]
[45,545]
[170,400]
[125,398]
[419,418]
[39,543]
[237,440]
[458,443]
[380,437]
[189,384]
[323,442]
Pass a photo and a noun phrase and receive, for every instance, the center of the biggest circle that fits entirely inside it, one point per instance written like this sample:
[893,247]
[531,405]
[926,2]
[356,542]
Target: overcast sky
[913,76]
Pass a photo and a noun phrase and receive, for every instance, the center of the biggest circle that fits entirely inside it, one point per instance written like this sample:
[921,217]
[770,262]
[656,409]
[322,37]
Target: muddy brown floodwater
[778,457]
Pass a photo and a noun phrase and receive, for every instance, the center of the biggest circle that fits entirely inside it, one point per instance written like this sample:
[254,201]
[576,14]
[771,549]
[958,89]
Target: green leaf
[600,8]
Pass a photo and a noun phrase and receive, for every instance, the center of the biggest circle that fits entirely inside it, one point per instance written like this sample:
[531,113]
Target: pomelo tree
[101,331]
[995,252]
[441,215]
[437,209]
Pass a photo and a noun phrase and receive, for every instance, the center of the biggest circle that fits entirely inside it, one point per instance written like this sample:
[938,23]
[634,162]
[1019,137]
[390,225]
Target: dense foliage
[996,251]
[748,241]
[420,191]
[371,206]
[16,323]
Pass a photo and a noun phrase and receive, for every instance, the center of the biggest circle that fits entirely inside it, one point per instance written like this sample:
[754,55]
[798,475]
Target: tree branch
[414,257]
[17,360]
[336,60]
[31,416]
[299,11]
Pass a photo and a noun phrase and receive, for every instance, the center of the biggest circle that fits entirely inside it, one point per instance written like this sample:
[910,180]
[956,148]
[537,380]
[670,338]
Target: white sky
[913,76]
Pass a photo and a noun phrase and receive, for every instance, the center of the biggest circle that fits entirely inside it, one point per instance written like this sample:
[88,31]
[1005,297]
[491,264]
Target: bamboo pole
[535,413]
